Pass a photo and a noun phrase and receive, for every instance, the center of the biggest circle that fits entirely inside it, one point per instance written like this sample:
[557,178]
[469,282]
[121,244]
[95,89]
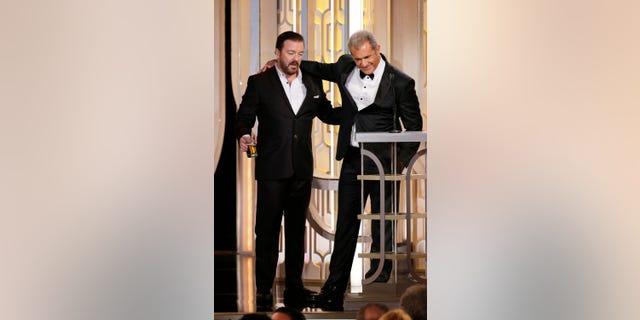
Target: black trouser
[275,198]
[348,224]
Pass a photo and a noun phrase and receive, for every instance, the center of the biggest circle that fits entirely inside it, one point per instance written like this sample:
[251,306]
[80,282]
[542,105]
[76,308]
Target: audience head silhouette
[287,313]
[371,311]
[255,316]
[414,301]
[396,314]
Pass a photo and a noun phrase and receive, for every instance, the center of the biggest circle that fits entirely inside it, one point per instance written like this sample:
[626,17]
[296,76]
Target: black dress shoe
[331,299]
[384,275]
[298,298]
[264,302]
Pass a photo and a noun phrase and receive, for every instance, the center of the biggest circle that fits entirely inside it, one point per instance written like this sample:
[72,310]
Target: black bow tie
[362,75]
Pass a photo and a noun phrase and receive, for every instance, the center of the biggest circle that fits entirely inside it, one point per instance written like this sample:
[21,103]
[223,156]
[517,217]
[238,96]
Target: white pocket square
[316,97]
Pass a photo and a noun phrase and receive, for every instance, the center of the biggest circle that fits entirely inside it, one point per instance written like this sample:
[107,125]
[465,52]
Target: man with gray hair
[376,97]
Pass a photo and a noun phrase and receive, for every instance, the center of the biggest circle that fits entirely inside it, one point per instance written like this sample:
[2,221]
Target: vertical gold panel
[367,15]
[219,104]
[289,15]
[329,28]
[268,30]
[240,57]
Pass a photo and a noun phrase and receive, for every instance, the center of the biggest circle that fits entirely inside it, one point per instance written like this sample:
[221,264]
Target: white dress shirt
[296,91]
[363,90]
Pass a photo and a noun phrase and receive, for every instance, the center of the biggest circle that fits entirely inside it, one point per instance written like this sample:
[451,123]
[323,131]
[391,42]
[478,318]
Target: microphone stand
[395,107]
[395,130]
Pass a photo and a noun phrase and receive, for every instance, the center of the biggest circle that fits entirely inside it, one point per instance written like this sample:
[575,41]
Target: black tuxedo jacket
[284,138]
[396,91]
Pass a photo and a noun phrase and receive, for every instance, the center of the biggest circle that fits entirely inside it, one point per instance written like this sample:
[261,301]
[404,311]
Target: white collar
[283,76]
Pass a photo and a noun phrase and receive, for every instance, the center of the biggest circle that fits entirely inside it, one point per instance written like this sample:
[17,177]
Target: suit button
[295,136]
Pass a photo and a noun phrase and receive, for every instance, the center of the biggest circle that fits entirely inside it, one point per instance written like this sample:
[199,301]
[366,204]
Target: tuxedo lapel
[347,95]
[385,85]
[312,91]
[276,86]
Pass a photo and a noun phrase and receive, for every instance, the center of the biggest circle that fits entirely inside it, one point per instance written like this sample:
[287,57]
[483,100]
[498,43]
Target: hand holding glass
[252,150]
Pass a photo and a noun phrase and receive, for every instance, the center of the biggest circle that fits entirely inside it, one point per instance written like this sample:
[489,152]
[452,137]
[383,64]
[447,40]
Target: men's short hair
[414,301]
[372,305]
[360,37]
[288,35]
[293,314]
[255,316]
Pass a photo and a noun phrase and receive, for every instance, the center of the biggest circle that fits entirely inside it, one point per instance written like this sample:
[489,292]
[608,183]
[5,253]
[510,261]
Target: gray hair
[360,37]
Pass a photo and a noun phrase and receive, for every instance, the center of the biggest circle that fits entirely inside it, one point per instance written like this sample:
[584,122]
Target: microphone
[394,130]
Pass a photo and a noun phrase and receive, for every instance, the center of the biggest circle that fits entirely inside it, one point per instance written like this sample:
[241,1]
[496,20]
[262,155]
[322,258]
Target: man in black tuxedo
[375,97]
[285,102]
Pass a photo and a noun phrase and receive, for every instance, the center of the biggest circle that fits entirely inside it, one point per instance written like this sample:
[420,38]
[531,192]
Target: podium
[406,220]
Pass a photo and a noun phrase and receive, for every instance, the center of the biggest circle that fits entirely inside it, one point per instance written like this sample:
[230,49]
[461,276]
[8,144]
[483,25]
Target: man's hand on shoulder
[268,65]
